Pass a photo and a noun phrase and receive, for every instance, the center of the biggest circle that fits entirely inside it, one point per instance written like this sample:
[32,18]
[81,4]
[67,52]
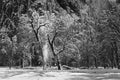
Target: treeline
[75,33]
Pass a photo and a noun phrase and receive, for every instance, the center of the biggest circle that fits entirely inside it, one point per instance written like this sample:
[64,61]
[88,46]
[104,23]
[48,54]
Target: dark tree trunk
[58,63]
[115,59]
[104,62]
[22,63]
[56,57]
[96,64]
[112,60]
[117,55]
[88,62]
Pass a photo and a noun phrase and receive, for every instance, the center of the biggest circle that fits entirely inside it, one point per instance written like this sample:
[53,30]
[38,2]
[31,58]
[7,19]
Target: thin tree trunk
[117,61]
[112,61]
[23,63]
[11,56]
[117,55]
[30,62]
[96,65]
[10,65]
[88,62]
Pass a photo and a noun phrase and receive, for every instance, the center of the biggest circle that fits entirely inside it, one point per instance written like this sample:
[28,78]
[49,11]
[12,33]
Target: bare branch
[51,45]
[54,37]
[36,34]
[40,27]
[63,48]
[49,39]
[2,17]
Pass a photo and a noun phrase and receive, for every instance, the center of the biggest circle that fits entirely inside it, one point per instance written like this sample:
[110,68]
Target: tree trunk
[30,62]
[44,65]
[45,50]
[116,55]
[88,65]
[112,60]
[38,40]
[96,65]
[11,55]
[58,63]
[117,59]
[56,58]
[23,63]
[10,63]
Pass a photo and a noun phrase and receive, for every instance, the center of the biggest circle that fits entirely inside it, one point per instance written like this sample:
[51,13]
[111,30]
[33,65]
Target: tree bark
[56,57]
[38,40]
[96,65]
[23,63]
[45,54]
[30,60]
[58,63]
[88,62]
[115,54]
[11,55]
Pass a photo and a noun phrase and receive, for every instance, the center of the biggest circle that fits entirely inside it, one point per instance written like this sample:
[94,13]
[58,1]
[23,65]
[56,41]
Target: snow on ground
[78,74]
[18,74]
[111,74]
[37,76]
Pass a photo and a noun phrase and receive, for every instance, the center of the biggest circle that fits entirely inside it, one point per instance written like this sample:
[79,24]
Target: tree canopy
[77,33]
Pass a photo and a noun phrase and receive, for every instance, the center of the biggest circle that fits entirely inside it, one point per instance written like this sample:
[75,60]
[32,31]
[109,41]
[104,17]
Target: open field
[37,74]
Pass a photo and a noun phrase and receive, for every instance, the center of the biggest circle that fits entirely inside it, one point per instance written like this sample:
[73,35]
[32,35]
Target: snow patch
[79,74]
[111,74]
[57,74]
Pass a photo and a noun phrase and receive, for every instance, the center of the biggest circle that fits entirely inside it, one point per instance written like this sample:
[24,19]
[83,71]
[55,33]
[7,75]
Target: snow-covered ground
[19,74]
